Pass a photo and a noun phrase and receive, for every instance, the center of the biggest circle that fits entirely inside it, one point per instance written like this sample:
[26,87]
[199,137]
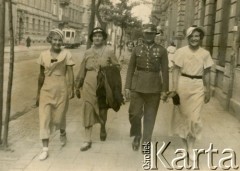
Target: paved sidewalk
[115,154]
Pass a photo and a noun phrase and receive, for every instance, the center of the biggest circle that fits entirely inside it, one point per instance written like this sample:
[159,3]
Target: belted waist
[192,76]
[148,69]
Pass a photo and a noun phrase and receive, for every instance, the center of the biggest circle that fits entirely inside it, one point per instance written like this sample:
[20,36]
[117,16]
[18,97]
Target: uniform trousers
[143,105]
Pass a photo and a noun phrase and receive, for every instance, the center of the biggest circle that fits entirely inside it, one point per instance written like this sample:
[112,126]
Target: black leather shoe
[136,143]
[103,133]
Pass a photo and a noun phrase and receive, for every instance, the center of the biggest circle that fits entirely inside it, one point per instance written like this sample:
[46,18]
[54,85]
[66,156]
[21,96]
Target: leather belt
[192,76]
[147,69]
[53,60]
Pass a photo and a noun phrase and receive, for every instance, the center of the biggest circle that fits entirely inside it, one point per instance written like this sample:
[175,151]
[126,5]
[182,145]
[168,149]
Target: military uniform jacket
[148,69]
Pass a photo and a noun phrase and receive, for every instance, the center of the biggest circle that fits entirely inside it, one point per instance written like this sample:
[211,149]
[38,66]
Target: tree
[10,77]
[2,27]
[101,20]
[91,24]
[120,15]
[134,31]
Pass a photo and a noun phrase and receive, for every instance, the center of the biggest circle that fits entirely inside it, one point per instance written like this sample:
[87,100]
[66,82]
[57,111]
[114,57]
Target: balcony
[64,2]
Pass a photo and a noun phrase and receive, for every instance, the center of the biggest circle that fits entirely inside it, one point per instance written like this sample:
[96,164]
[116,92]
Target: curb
[25,49]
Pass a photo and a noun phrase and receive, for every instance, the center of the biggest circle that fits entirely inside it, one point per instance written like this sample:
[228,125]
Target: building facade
[35,18]
[220,19]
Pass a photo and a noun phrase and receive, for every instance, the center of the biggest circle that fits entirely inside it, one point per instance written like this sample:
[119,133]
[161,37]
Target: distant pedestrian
[28,41]
[191,82]
[94,110]
[139,41]
[145,85]
[54,90]
[124,61]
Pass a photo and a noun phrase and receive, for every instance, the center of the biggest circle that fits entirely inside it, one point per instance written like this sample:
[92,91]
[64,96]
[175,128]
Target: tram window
[72,34]
[68,34]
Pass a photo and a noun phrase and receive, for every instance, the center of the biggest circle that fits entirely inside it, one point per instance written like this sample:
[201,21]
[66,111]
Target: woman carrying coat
[191,81]
[99,55]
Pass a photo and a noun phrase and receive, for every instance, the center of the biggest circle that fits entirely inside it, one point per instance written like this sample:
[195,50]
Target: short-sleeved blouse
[58,67]
[192,62]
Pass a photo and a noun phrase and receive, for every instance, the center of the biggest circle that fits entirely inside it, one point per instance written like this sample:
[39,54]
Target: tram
[72,38]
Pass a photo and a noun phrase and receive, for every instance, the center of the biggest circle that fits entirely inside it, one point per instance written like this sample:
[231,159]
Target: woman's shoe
[103,133]
[136,143]
[86,146]
[63,138]
[44,154]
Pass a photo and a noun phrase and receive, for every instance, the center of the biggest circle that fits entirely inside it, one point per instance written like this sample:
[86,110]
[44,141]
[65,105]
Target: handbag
[176,99]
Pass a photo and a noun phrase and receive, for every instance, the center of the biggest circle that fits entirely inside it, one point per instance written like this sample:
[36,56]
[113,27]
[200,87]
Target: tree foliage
[119,14]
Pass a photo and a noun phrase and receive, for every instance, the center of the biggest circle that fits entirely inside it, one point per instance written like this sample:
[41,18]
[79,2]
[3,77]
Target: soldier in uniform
[145,85]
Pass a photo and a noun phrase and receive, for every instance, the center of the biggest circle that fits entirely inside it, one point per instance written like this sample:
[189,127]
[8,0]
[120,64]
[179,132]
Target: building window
[49,5]
[54,8]
[39,25]
[73,11]
[60,14]
[209,38]
[33,24]
[224,32]
[27,23]
[21,28]
[44,29]
[48,26]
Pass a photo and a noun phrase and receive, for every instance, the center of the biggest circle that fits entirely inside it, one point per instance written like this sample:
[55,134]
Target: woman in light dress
[99,55]
[124,61]
[55,87]
[191,81]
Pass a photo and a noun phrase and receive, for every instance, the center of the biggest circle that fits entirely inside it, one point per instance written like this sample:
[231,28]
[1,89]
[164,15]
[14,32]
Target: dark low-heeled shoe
[86,146]
[63,138]
[103,133]
[136,143]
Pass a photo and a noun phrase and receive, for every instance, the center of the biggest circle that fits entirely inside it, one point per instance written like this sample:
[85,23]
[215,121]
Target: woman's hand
[207,96]
[127,93]
[164,96]
[70,92]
